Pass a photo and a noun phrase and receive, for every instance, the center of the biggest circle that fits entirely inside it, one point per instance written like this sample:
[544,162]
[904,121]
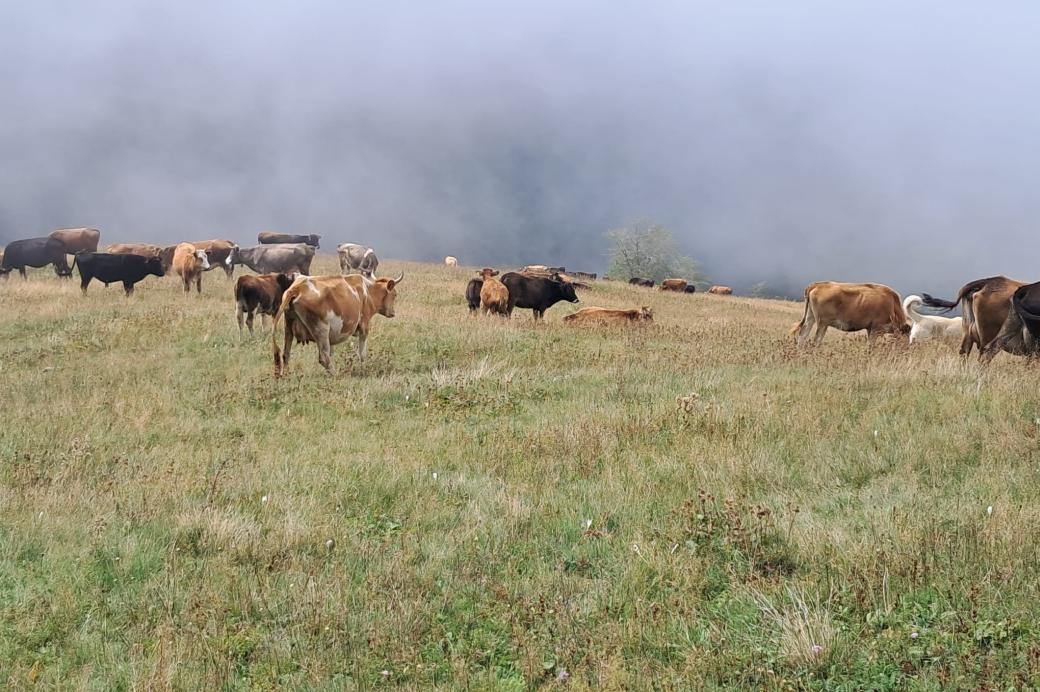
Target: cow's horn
[398,279]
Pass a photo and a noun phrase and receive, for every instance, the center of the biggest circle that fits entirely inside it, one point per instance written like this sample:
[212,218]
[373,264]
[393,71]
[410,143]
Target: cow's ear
[390,284]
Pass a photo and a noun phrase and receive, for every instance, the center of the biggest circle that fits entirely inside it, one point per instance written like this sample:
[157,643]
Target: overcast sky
[780,141]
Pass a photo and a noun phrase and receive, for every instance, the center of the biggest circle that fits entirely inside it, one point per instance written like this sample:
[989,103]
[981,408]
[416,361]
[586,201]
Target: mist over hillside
[780,142]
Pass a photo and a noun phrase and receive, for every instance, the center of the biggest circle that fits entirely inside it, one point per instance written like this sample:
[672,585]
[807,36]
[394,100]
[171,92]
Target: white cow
[927,327]
[451,261]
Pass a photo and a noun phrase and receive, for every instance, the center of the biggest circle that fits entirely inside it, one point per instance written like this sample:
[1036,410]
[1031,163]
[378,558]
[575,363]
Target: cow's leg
[249,322]
[287,343]
[198,283]
[128,288]
[362,344]
[21,270]
[238,317]
[228,269]
[321,338]
[83,282]
[821,330]
[187,283]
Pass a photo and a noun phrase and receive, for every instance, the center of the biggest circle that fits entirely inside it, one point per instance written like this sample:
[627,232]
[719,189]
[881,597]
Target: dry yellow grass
[509,504]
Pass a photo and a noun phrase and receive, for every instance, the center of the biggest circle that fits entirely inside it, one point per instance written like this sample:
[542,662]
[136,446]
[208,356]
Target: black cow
[110,268]
[1020,333]
[473,294]
[637,281]
[537,293]
[690,288]
[269,238]
[36,252]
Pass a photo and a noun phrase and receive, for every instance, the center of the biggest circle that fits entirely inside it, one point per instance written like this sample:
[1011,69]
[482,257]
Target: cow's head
[646,312]
[313,239]
[203,259]
[154,266]
[487,272]
[386,304]
[232,257]
[565,288]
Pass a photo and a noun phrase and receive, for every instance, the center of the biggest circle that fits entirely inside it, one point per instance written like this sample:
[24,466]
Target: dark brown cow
[258,293]
[1020,334]
[78,239]
[984,309]
[850,308]
[217,252]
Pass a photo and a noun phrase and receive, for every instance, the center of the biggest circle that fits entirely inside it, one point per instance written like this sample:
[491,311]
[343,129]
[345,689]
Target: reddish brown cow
[258,293]
[595,315]
[677,285]
[189,262]
[985,304]
[494,296]
[720,291]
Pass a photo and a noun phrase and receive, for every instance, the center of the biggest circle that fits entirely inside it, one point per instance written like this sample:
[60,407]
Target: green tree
[649,251]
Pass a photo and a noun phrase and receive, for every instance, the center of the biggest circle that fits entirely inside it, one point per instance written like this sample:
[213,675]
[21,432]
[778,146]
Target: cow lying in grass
[928,327]
[610,316]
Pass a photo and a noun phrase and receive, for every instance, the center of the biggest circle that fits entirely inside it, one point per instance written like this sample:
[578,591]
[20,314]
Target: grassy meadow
[490,504]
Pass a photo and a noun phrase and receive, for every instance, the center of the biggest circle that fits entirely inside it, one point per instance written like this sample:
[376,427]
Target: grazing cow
[473,294]
[537,293]
[143,249]
[677,285]
[450,261]
[258,293]
[610,316]
[189,262]
[217,252]
[637,281]
[850,308]
[36,252]
[353,257]
[268,238]
[690,288]
[494,296]
[984,309]
[266,259]
[78,239]
[328,310]
[927,327]
[109,268]
[1020,334]
[720,291]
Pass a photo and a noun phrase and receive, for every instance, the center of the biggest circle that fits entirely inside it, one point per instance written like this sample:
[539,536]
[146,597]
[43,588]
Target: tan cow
[78,239]
[494,296]
[850,308]
[985,304]
[328,310]
[677,285]
[450,261]
[720,291]
[595,315]
[143,249]
[189,262]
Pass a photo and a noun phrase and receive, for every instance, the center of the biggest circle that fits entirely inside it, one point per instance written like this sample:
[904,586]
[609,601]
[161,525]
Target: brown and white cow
[985,304]
[850,308]
[328,310]
[217,252]
[494,296]
[258,293]
[677,285]
[189,262]
[720,291]
[78,239]
[594,315]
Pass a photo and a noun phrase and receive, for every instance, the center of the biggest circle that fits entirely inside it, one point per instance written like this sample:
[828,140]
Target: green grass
[511,503]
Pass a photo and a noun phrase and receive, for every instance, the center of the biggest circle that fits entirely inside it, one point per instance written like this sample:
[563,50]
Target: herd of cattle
[997,313]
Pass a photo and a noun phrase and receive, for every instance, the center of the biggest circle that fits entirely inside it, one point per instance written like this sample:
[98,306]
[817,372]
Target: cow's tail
[910,304]
[967,291]
[798,327]
[287,300]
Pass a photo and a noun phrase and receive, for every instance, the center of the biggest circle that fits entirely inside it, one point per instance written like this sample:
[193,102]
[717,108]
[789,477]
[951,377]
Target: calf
[258,293]
[494,296]
[677,285]
[109,268]
[189,262]
[927,327]
[610,316]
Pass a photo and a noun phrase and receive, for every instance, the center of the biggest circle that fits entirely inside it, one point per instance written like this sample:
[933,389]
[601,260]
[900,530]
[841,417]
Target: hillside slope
[488,502]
